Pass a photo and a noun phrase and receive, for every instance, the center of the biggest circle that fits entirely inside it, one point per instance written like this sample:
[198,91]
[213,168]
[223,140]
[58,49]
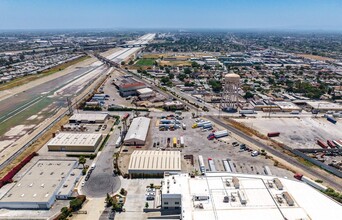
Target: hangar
[137,132]
[153,163]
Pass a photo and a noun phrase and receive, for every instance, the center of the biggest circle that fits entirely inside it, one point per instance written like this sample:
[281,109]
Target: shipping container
[201,164]
[174,142]
[267,171]
[331,144]
[182,141]
[231,165]
[201,124]
[246,112]
[278,184]
[207,126]
[118,142]
[226,166]
[273,134]
[322,144]
[313,183]
[332,120]
[211,165]
[337,143]
[92,103]
[219,134]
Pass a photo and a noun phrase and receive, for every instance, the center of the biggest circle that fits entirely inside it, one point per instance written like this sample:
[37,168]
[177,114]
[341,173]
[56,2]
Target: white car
[255,153]
[82,184]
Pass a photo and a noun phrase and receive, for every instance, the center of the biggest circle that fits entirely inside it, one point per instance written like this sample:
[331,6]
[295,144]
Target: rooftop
[155,160]
[138,129]
[75,139]
[41,181]
[88,117]
[259,198]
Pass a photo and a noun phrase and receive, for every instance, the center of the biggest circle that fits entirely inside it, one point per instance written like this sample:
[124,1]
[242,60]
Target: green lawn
[145,62]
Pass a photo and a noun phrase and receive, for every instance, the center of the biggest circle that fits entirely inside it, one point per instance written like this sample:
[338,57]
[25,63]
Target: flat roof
[144,91]
[287,105]
[155,160]
[325,105]
[138,129]
[88,117]
[261,199]
[75,139]
[41,181]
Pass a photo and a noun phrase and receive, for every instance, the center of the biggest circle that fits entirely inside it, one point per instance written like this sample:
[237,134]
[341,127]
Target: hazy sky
[261,14]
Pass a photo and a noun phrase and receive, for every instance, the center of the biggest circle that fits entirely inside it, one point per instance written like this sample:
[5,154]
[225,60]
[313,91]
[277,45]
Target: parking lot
[196,143]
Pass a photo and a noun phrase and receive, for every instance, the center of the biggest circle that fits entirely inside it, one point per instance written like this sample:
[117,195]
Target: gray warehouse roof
[155,160]
[88,117]
[75,139]
[138,129]
[40,182]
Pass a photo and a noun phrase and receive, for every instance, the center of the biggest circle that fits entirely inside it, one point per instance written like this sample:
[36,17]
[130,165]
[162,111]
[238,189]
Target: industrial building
[42,184]
[84,142]
[137,132]
[288,106]
[145,163]
[128,86]
[323,106]
[88,118]
[216,196]
[174,105]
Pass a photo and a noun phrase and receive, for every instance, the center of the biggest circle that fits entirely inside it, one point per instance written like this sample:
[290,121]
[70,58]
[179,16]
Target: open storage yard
[297,132]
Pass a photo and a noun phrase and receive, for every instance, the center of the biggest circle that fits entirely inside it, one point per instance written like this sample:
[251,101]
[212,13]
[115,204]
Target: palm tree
[82,160]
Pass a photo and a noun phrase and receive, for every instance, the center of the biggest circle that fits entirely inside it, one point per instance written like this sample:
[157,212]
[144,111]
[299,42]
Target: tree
[151,185]
[248,95]
[181,77]
[146,205]
[82,160]
[109,200]
[131,62]
[123,191]
[171,75]
[22,57]
[165,80]
[167,70]
[187,70]
[123,63]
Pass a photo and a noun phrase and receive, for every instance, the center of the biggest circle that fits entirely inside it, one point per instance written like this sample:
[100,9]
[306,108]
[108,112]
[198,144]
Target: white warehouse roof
[144,91]
[138,129]
[88,117]
[75,139]
[155,160]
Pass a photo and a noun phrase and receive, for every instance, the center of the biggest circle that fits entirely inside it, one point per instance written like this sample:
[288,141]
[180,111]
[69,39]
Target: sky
[179,14]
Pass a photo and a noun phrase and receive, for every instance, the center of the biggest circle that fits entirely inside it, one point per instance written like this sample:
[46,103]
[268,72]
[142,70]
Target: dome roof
[232,75]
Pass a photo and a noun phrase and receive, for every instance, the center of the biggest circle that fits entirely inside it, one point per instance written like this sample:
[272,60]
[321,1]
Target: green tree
[187,70]
[146,205]
[82,160]
[123,63]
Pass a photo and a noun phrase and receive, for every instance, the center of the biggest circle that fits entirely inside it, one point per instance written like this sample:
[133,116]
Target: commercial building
[145,93]
[137,132]
[215,196]
[42,184]
[174,105]
[324,106]
[288,106]
[85,142]
[128,86]
[88,118]
[154,163]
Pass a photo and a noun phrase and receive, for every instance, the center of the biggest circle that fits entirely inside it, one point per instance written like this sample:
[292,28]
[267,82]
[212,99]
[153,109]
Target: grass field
[145,62]
[22,116]
[26,79]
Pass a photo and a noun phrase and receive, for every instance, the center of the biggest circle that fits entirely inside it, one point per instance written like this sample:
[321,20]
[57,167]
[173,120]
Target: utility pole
[69,106]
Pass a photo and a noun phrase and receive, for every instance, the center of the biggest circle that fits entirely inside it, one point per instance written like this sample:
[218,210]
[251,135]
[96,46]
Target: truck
[331,119]
[273,134]
[331,144]
[310,182]
[211,165]
[226,166]
[338,143]
[201,124]
[244,112]
[219,134]
[201,164]
[322,144]
[165,121]
[211,136]
[118,142]
[182,141]
[174,142]
[207,126]
[295,112]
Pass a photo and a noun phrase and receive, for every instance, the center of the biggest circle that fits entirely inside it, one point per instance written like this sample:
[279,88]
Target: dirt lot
[310,56]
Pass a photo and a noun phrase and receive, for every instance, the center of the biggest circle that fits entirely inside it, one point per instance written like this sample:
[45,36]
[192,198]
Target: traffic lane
[279,154]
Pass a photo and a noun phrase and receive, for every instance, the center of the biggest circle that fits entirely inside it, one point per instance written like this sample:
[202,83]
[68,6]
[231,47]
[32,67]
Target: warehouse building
[154,163]
[128,86]
[214,196]
[84,142]
[42,184]
[137,132]
[88,118]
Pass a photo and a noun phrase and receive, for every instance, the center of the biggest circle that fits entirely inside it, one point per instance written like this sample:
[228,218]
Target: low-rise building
[84,142]
[137,132]
[174,105]
[88,118]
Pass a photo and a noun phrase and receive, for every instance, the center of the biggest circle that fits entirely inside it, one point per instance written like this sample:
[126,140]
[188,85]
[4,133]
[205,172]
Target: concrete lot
[297,133]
